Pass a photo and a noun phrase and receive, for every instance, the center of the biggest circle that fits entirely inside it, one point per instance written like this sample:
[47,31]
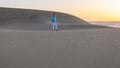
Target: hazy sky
[89,10]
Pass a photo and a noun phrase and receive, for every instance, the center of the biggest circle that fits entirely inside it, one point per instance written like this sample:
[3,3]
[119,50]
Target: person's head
[54,14]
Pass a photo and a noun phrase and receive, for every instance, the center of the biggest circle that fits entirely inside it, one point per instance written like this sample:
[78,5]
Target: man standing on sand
[54,22]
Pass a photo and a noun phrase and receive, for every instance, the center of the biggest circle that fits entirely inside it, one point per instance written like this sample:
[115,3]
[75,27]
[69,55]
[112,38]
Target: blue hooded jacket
[53,18]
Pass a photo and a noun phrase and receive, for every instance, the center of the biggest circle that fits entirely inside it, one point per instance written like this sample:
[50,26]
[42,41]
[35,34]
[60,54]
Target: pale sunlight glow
[114,6]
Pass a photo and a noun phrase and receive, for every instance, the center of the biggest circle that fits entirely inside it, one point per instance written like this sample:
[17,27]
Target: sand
[85,48]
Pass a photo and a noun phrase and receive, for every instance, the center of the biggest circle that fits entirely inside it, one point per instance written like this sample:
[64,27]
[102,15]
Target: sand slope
[26,19]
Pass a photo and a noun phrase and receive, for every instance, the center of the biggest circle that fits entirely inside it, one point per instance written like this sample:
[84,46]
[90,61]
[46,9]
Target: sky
[89,10]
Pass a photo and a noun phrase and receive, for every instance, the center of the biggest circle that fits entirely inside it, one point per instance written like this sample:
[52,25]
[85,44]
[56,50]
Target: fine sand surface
[85,48]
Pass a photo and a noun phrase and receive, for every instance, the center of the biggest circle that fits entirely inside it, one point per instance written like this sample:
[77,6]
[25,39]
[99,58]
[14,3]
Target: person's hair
[54,13]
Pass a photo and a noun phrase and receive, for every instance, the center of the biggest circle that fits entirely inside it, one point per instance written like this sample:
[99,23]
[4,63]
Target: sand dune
[76,45]
[26,19]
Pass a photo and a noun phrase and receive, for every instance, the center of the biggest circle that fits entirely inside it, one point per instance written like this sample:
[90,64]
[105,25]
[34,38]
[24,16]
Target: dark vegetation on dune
[26,19]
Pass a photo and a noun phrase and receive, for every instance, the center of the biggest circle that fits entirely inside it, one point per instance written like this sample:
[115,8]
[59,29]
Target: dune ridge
[27,19]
